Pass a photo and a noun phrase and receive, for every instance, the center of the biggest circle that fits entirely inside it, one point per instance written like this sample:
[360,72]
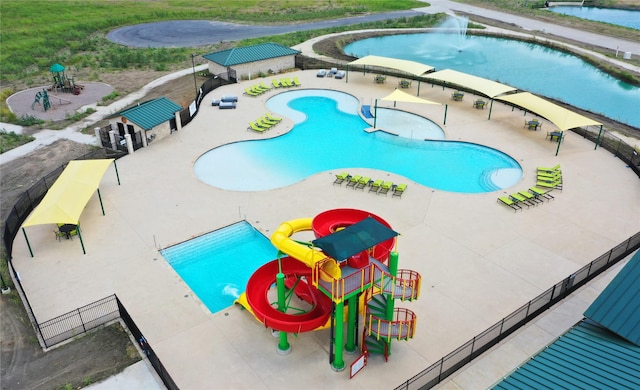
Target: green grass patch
[10,140]
[36,34]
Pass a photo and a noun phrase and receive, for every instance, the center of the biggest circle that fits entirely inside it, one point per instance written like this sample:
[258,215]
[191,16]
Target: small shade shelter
[561,117]
[400,96]
[410,67]
[354,239]
[68,196]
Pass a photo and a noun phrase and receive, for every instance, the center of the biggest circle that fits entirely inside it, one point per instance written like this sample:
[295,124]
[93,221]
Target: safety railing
[404,286]
[402,327]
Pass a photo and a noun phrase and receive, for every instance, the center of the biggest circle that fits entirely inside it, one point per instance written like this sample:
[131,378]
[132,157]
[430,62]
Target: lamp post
[193,64]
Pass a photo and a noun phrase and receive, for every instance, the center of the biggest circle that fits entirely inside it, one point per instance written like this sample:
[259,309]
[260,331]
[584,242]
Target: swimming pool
[329,135]
[527,66]
[216,266]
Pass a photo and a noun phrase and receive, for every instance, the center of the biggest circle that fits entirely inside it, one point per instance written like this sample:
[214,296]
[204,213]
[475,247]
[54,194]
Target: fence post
[84,328]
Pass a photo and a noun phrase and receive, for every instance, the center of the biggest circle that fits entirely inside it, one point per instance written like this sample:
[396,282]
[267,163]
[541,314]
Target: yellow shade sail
[68,196]
[399,96]
[486,87]
[561,117]
[411,67]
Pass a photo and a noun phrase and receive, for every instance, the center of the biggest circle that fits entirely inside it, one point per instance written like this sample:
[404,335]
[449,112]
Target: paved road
[191,33]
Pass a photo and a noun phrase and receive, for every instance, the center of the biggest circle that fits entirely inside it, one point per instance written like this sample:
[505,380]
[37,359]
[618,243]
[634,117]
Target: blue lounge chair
[321,73]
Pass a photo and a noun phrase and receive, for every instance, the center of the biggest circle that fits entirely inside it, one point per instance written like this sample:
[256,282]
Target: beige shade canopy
[561,117]
[399,96]
[486,87]
[411,67]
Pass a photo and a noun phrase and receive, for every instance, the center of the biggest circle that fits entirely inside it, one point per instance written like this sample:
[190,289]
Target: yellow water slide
[281,239]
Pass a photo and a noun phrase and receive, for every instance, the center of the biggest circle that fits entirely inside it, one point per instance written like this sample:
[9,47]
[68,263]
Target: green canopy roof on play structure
[354,239]
[56,68]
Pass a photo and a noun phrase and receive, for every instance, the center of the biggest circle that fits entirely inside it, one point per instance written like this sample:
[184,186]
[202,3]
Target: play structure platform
[348,275]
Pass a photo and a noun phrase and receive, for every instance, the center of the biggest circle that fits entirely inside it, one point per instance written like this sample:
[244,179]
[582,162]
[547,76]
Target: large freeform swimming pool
[329,135]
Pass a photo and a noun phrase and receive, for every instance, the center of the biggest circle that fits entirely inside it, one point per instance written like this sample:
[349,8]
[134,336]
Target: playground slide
[258,302]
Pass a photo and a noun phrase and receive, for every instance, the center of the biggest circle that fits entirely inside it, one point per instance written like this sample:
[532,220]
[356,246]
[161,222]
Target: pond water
[526,66]
[621,17]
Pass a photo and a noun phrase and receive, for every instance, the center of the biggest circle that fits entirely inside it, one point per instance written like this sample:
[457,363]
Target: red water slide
[261,281]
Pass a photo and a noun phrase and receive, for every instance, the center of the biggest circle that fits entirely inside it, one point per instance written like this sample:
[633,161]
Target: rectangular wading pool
[216,266]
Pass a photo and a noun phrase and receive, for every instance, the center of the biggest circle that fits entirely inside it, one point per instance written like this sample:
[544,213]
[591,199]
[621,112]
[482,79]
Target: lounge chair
[276,83]
[353,180]
[321,73]
[332,72]
[341,177]
[540,193]
[258,88]
[550,174]
[508,202]
[339,75]
[59,235]
[375,186]
[522,200]
[550,170]
[529,196]
[273,118]
[557,185]
[268,121]
[363,182]
[286,82]
[264,86]
[255,127]
[261,123]
[399,190]
[385,187]
[249,92]
[296,82]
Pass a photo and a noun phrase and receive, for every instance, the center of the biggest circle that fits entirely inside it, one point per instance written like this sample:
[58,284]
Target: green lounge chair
[276,83]
[519,199]
[399,190]
[341,177]
[556,185]
[363,182]
[375,186]
[273,118]
[296,82]
[258,89]
[249,92]
[268,121]
[253,126]
[353,180]
[550,175]
[264,86]
[260,123]
[529,196]
[286,82]
[508,202]
[550,170]
[385,187]
[540,193]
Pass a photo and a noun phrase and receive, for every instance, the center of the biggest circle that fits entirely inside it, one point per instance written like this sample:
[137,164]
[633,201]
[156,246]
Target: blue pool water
[329,135]
[621,17]
[217,265]
[527,66]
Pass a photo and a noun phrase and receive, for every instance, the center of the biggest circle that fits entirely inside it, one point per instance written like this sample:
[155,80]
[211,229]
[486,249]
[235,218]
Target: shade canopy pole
[100,198]
[27,240]
[418,88]
[490,108]
[116,168]
[80,236]
[446,107]
[375,113]
[559,141]
[347,75]
[598,140]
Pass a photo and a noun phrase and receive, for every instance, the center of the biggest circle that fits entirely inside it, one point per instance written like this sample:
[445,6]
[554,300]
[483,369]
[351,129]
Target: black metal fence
[187,114]
[473,348]
[615,145]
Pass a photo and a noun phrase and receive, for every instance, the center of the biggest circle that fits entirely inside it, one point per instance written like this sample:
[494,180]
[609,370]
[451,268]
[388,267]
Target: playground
[32,101]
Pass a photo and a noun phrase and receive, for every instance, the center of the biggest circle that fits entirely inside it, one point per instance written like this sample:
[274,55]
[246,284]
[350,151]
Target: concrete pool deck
[479,260]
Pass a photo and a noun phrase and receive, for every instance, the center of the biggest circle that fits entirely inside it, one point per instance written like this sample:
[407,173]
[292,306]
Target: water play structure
[347,276]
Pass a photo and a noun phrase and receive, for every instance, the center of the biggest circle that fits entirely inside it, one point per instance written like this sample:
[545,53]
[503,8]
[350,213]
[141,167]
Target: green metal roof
[243,55]
[151,113]
[586,357]
[617,308]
